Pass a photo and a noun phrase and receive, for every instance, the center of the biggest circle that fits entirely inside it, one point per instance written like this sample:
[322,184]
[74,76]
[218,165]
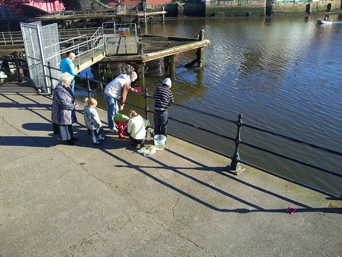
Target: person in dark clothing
[163,98]
[63,109]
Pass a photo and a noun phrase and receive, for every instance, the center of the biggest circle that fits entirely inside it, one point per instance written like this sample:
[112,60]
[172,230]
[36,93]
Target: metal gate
[41,46]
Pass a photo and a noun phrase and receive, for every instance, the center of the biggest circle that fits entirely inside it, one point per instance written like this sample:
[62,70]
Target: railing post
[88,84]
[234,166]
[50,76]
[146,102]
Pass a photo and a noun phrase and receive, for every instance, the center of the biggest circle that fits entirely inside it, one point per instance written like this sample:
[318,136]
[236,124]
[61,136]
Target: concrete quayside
[109,200]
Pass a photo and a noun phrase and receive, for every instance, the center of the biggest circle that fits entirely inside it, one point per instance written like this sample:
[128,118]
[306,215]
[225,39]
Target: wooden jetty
[137,50]
[65,19]
[152,47]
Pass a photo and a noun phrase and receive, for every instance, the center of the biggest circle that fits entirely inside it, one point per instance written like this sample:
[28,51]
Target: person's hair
[133,75]
[70,53]
[64,78]
[132,114]
[91,101]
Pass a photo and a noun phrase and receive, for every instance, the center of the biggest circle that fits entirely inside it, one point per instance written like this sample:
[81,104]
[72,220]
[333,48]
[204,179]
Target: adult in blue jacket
[68,66]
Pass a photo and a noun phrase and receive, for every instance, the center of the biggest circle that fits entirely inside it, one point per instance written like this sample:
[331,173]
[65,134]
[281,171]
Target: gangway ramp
[124,45]
[84,61]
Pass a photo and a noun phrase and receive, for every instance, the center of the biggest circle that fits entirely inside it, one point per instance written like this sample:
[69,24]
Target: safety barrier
[235,158]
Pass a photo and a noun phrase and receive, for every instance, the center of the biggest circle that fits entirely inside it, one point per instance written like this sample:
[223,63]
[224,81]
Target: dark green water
[282,74]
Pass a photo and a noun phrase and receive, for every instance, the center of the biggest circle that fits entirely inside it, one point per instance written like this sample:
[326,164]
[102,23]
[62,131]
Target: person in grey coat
[63,109]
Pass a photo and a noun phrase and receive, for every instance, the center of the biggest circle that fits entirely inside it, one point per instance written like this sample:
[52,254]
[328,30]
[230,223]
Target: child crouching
[92,121]
[121,121]
[136,129]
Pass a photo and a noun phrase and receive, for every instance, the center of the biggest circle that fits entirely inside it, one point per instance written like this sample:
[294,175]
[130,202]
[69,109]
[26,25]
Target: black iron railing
[235,158]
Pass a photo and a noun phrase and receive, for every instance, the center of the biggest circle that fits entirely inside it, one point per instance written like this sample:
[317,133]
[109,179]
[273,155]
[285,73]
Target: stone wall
[235,8]
[267,7]
[195,9]
[222,8]
[158,2]
[284,8]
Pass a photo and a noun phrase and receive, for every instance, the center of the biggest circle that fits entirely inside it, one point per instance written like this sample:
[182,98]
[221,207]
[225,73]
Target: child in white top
[136,128]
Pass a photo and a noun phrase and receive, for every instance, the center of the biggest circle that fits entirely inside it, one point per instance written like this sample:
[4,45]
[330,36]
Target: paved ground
[60,200]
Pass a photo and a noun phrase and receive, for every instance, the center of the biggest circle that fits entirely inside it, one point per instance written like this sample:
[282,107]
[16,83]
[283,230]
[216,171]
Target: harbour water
[281,74]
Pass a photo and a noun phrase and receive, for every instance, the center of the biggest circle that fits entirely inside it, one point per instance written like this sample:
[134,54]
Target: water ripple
[283,76]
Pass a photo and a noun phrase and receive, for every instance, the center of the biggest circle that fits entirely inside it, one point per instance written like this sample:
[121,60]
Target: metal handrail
[11,38]
[235,158]
[96,37]
[16,37]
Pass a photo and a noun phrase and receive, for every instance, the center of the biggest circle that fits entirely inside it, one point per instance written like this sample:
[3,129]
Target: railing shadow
[219,170]
[36,141]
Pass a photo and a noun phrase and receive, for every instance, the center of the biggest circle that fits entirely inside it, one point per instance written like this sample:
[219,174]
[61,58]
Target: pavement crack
[173,207]
[98,179]
[189,240]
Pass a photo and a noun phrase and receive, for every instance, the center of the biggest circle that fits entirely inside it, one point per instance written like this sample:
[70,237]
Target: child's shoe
[121,134]
[95,142]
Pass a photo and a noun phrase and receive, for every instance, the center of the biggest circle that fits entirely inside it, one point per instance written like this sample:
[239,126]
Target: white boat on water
[328,22]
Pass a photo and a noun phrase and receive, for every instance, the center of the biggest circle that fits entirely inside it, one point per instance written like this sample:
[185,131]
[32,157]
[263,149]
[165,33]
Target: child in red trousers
[121,121]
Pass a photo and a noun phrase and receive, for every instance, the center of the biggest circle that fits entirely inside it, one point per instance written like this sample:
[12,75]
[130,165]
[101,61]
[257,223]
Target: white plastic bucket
[159,142]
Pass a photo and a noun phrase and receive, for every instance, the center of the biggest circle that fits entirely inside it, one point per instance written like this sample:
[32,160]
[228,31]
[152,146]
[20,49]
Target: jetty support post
[200,51]
[172,66]
[141,74]
[169,63]
[234,167]
[138,31]
[137,14]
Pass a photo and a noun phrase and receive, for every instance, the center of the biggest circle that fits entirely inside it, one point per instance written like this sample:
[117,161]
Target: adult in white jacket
[136,128]
[115,90]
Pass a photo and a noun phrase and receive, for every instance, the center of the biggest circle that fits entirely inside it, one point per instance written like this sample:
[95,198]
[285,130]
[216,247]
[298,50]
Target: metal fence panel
[50,38]
[41,46]
[33,52]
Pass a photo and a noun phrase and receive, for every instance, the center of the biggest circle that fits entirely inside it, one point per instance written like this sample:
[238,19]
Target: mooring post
[163,16]
[234,166]
[88,84]
[50,76]
[201,34]
[141,75]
